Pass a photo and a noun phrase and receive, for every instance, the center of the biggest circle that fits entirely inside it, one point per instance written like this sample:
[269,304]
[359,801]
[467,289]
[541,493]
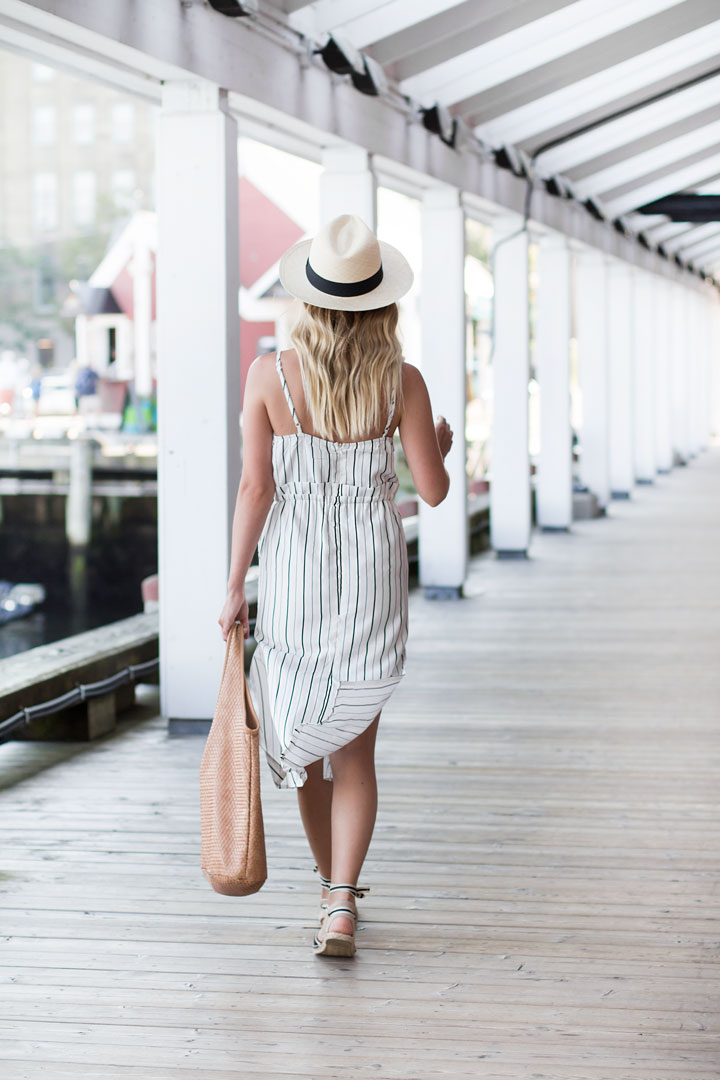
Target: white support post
[553,492]
[444,536]
[141,271]
[510,519]
[691,361]
[679,427]
[199,400]
[715,369]
[706,359]
[644,379]
[663,375]
[348,185]
[620,332]
[593,366]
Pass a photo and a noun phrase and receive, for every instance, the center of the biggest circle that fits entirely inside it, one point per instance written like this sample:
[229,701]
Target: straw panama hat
[345,268]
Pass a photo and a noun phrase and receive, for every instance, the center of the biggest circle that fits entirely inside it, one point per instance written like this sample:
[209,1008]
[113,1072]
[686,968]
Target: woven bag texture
[232,849]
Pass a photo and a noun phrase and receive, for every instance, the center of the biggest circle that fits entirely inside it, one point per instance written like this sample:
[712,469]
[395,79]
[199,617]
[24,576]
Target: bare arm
[425,443]
[255,494]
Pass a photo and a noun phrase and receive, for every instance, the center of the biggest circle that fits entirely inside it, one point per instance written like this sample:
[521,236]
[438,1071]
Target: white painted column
[715,368]
[691,360]
[348,185]
[663,375]
[620,355]
[141,270]
[553,490]
[707,398]
[78,505]
[510,520]
[591,306]
[679,426]
[444,537]
[644,380]
[199,390]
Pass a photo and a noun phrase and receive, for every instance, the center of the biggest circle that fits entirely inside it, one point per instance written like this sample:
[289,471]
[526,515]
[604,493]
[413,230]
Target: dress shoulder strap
[390,413]
[286,391]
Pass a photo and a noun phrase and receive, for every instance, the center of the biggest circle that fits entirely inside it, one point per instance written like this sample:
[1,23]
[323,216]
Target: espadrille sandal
[325,883]
[332,942]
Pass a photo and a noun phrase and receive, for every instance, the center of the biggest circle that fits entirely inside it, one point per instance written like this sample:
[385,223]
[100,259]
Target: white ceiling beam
[270,78]
[666,185]
[538,42]
[691,236]
[642,122]
[643,164]
[604,88]
[366,21]
[658,233]
[702,249]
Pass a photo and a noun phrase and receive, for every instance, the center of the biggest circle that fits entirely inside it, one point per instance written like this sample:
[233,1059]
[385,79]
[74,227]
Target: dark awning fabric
[97,301]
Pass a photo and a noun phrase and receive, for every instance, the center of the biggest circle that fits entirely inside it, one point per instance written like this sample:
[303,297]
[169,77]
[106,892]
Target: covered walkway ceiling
[621,96]
[530,72]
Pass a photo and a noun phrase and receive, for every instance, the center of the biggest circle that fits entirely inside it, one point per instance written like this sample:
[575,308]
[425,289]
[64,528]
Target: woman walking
[317,499]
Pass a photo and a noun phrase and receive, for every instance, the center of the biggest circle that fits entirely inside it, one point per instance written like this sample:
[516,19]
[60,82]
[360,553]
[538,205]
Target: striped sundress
[332,609]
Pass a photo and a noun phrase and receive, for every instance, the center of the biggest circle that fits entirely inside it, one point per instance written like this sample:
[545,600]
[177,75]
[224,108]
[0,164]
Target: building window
[45,201]
[83,123]
[84,190]
[45,284]
[42,73]
[44,125]
[123,188]
[122,122]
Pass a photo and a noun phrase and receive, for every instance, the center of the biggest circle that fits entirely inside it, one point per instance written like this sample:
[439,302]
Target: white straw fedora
[346,268]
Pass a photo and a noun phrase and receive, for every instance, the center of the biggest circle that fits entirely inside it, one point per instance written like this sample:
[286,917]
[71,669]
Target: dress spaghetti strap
[390,414]
[286,391]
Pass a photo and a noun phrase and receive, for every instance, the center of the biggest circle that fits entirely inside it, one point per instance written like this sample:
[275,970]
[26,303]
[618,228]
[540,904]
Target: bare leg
[314,801]
[354,809]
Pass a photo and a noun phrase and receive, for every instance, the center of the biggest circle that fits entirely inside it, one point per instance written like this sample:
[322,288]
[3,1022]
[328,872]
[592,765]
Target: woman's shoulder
[411,377]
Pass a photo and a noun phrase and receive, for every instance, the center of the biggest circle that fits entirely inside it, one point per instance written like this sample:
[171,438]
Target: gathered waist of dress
[325,490]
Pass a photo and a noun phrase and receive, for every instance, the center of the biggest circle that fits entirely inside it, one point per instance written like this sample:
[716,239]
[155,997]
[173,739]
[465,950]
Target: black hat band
[343,288]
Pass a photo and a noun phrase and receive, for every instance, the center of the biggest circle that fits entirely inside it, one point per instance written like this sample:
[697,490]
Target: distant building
[74,153]
[115,312]
[75,156]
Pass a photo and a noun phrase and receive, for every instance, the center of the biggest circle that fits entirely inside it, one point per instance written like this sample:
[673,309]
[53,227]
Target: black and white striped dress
[332,619]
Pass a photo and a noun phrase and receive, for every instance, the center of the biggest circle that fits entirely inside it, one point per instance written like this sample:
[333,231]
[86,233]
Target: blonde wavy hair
[350,363]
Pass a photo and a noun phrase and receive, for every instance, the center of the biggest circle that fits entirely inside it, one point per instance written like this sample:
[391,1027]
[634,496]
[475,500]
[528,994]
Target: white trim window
[41,73]
[83,123]
[122,188]
[45,201]
[84,197]
[122,121]
[43,125]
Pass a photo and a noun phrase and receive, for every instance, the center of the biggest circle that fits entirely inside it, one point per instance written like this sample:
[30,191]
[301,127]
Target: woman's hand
[235,609]
[444,436]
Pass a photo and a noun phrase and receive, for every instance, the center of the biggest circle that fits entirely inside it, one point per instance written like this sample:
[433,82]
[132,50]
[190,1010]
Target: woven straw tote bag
[232,849]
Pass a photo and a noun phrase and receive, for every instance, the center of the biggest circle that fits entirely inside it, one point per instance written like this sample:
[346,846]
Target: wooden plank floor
[543,874]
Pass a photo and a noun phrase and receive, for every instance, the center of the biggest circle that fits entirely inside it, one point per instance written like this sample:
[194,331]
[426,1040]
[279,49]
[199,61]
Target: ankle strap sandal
[359,891]
[333,942]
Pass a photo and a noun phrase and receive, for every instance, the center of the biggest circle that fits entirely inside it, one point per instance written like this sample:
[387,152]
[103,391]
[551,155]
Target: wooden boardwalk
[543,874]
